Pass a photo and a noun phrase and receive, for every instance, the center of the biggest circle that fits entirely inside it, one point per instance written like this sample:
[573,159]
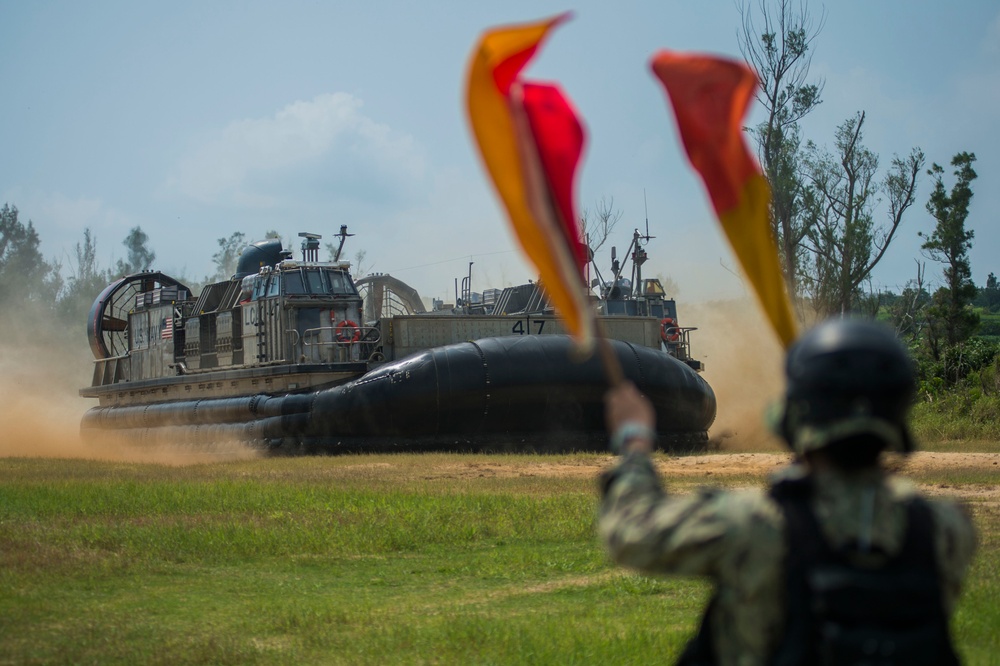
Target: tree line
[826,215]
[32,285]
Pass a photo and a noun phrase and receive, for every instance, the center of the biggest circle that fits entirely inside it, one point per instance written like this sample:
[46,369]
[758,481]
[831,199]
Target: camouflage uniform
[737,538]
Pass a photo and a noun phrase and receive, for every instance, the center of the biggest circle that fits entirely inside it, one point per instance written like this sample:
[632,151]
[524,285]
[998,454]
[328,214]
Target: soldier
[838,561]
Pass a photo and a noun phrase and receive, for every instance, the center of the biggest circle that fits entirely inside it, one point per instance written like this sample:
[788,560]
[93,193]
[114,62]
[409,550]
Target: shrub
[956,364]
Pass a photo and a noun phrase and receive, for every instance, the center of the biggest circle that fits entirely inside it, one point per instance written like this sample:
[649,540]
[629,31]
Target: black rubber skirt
[506,393]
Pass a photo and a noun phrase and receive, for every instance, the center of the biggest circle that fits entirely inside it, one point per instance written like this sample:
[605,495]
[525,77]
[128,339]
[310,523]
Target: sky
[195,120]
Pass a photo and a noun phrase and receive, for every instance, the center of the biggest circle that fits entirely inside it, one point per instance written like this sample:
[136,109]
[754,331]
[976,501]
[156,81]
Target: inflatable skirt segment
[506,393]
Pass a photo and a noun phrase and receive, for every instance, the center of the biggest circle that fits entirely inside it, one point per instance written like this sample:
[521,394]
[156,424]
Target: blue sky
[198,119]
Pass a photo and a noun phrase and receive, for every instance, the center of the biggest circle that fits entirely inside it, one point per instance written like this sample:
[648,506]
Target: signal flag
[531,141]
[710,96]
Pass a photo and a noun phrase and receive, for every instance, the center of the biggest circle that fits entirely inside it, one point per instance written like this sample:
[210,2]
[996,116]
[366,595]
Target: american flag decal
[167,328]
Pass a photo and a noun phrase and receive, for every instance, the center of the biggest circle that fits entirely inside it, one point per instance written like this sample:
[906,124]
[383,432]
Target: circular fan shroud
[386,296]
[107,324]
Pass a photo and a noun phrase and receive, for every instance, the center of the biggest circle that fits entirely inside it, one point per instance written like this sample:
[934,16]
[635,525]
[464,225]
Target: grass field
[429,559]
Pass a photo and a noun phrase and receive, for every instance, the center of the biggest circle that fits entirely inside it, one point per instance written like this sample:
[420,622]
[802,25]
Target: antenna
[343,237]
[646,207]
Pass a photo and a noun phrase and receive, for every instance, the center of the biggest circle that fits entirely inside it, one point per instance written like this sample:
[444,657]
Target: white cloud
[327,145]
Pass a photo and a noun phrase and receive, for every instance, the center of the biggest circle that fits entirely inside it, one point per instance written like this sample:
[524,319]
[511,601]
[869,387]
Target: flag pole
[612,366]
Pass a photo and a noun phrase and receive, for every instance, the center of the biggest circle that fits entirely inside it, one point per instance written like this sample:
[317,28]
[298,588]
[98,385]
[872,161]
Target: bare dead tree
[359,268]
[599,222]
[775,39]
[839,205]
[909,313]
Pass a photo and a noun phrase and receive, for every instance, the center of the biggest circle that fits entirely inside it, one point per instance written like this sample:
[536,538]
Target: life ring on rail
[347,332]
[668,330]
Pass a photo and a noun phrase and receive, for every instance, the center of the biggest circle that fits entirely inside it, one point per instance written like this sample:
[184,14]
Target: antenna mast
[646,207]
[343,237]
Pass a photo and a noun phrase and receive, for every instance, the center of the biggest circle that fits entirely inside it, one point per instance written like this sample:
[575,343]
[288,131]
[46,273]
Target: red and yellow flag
[710,97]
[531,141]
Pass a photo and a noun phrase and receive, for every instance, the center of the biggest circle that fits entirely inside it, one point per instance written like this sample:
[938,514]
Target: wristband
[628,431]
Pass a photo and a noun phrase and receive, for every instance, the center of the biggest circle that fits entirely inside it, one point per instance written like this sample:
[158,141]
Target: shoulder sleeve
[955,543]
[710,532]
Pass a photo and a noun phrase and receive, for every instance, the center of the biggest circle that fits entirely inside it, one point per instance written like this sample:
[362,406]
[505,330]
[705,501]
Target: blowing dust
[744,366]
[40,408]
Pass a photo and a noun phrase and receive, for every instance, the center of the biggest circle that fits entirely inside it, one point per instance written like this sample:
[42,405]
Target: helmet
[847,378]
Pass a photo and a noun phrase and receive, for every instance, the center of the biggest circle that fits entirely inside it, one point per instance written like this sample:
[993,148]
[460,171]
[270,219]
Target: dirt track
[733,464]
[723,464]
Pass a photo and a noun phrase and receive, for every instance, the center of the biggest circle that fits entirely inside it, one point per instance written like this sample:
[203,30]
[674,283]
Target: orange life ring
[347,332]
[667,323]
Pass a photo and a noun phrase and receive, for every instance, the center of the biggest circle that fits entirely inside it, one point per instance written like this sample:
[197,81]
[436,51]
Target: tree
[908,312]
[949,243]
[775,42]
[228,256]
[25,276]
[86,282]
[843,240]
[139,257]
[598,223]
[360,270]
[989,296]
[358,267]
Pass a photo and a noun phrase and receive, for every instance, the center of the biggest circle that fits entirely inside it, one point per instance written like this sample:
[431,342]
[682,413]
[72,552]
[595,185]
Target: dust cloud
[743,364]
[40,407]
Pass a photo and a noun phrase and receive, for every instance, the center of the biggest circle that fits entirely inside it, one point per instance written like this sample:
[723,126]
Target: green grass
[962,420]
[404,559]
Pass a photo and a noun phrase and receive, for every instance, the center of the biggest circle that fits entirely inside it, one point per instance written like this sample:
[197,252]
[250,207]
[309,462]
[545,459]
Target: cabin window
[259,287]
[315,280]
[273,285]
[340,283]
[312,281]
[293,282]
[653,287]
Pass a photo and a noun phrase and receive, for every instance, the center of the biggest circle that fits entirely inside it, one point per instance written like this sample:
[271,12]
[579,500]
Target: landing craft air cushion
[289,356]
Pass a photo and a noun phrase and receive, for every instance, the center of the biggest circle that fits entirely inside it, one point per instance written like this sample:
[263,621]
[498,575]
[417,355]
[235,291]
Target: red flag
[710,96]
[559,138]
[531,141]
